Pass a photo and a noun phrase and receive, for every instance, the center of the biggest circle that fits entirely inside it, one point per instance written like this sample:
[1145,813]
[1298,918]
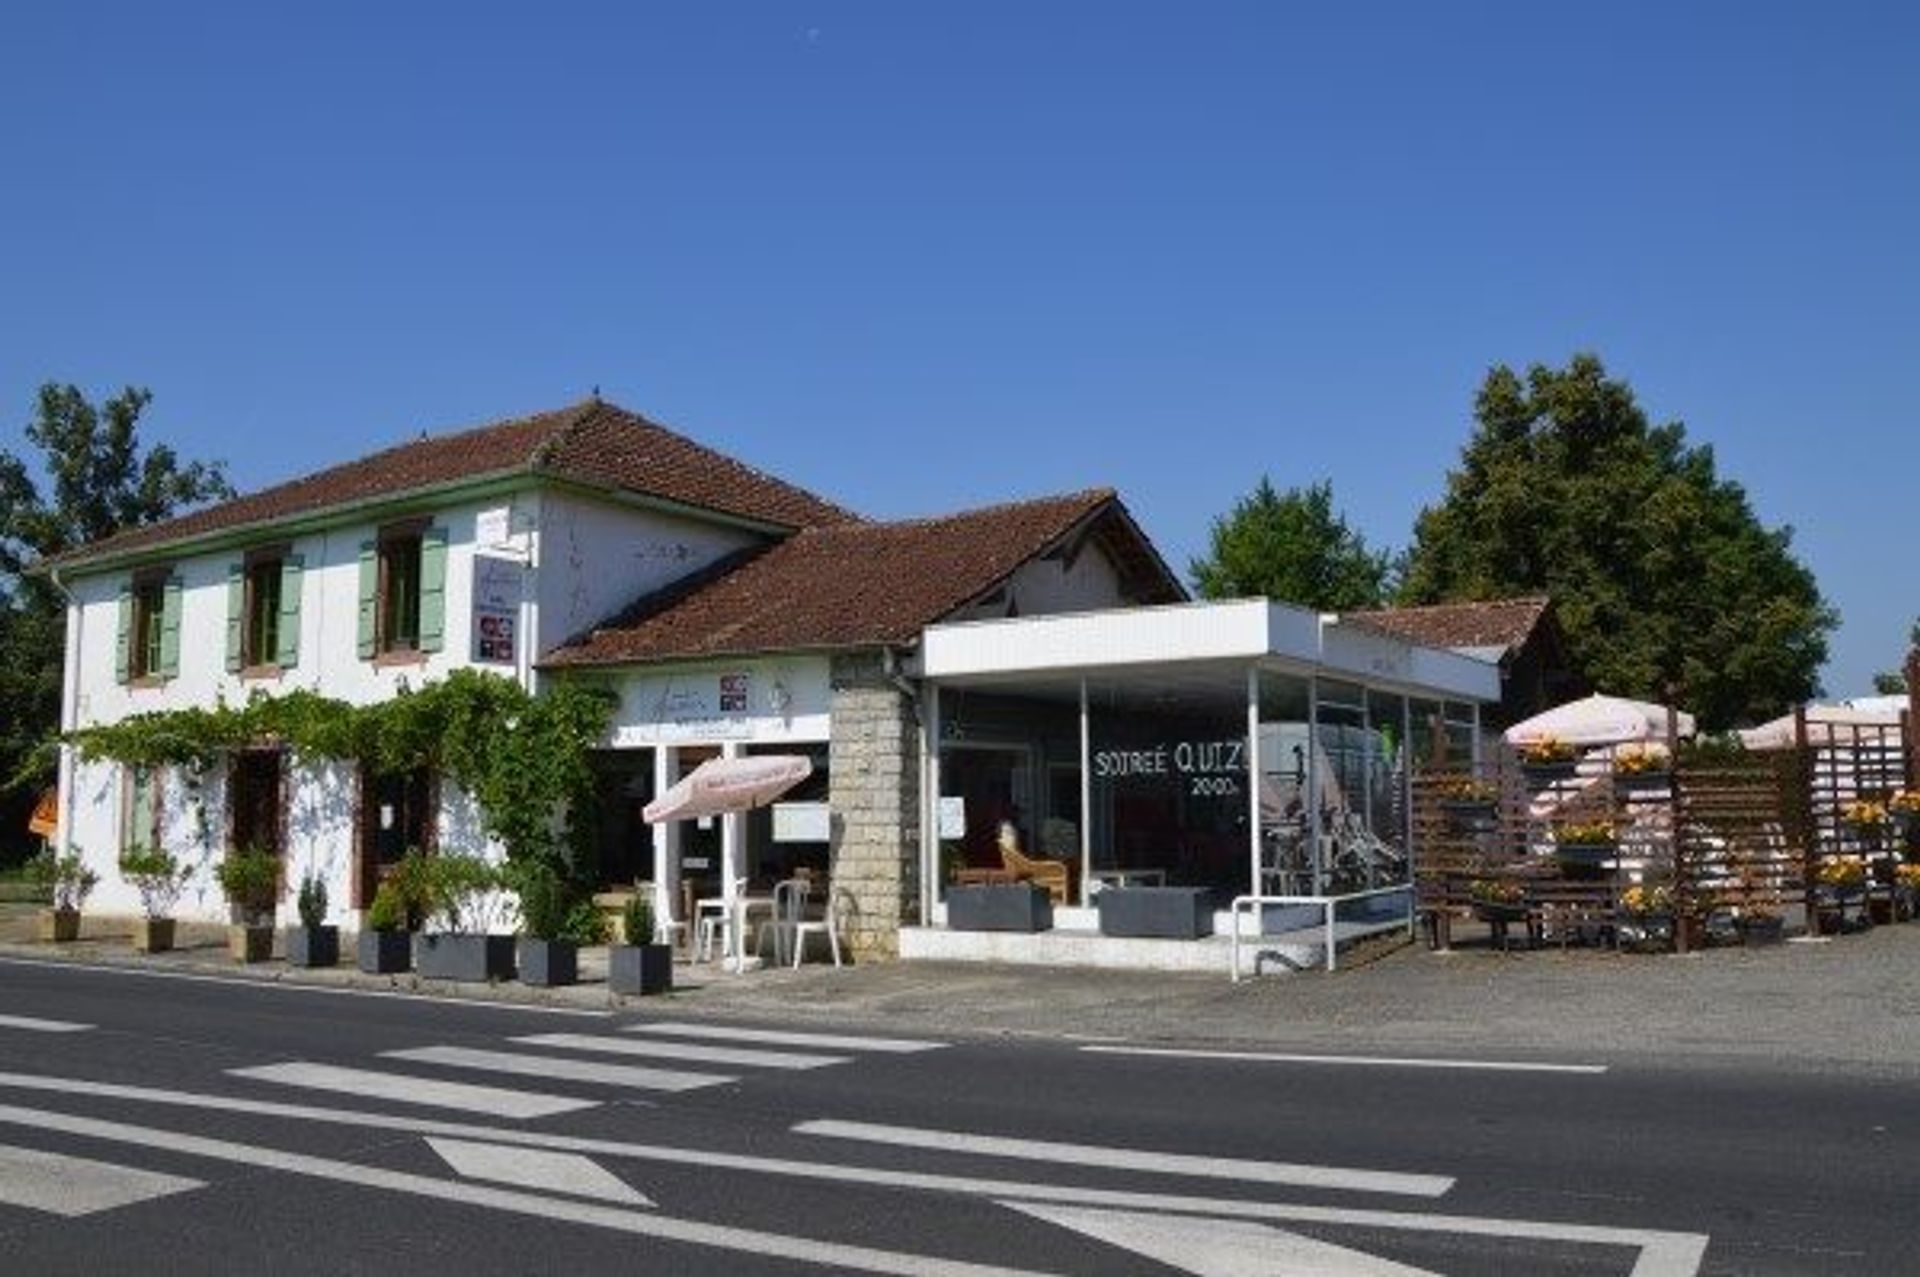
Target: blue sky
[922,257]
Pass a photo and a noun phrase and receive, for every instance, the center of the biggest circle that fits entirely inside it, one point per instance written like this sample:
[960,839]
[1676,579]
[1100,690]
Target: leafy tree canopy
[94,479]
[1663,576]
[1293,547]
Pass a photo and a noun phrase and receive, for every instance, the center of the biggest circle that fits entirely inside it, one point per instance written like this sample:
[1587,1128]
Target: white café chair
[791,926]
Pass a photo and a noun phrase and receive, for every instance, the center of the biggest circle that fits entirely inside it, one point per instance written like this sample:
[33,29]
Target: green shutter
[287,652]
[433,589]
[236,616]
[369,599]
[123,645]
[170,629]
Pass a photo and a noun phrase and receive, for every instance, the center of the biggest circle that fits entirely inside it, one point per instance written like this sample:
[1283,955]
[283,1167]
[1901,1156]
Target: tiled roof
[1496,623]
[593,442]
[863,584]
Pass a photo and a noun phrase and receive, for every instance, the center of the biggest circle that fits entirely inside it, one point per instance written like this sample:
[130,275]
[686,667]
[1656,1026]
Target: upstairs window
[263,612]
[148,647]
[403,588]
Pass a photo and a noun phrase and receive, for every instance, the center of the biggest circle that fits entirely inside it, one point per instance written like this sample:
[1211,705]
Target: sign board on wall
[802,822]
[496,610]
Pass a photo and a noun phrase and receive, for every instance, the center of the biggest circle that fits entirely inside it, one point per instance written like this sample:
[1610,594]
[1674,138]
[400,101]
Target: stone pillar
[874,792]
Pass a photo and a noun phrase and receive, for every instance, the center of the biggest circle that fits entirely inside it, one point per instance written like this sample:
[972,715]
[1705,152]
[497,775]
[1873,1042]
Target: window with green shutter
[403,583]
[145,612]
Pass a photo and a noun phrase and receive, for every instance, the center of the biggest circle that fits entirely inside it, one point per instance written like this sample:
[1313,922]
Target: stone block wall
[874,791]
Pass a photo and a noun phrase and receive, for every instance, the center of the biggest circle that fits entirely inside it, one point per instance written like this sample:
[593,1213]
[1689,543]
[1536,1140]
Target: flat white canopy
[1600,720]
[1239,629]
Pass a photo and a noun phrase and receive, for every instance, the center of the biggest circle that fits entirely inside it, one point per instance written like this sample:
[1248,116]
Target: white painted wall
[1048,586]
[597,558]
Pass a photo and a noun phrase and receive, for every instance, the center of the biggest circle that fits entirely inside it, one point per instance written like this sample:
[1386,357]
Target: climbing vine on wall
[524,759]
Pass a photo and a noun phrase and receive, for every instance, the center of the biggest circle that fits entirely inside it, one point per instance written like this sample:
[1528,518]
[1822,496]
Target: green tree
[1663,576]
[1291,547]
[1893,682]
[98,480]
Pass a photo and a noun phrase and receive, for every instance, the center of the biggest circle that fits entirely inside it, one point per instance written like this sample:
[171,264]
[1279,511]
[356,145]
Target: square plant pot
[153,935]
[385,952]
[1017,906]
[473,959]
[313,946]
[1161,913]
[250,943]
[640,970]
[547,963]
[57,926]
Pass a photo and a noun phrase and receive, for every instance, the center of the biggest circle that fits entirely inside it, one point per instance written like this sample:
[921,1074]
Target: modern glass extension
[1246,748]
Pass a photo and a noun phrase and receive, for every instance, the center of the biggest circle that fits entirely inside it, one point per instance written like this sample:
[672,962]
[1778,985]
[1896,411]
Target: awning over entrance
[721,785]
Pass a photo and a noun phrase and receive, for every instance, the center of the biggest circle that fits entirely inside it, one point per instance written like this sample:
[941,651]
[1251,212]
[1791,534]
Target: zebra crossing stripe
[693,1051]
[560,1068]
[41,1026]
[405,1089]
[781,1037]
[76,1186]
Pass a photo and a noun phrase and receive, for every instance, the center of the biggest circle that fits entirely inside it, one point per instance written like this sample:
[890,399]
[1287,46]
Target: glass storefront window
[1168,766]
[1286,768]
[1012,761]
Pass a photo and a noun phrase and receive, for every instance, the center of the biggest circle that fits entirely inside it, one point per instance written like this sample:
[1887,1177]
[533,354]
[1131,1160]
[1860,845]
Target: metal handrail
[1327,904]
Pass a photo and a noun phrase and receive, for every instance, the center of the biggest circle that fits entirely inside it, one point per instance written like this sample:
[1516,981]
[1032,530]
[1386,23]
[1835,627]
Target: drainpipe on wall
[69,712]
[890,666]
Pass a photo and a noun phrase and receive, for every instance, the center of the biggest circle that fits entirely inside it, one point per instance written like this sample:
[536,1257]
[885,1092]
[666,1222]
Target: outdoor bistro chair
[711,922]
[790,926]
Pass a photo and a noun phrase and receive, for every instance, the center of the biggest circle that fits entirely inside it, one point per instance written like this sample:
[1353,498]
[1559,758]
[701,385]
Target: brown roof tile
[594,442]
[1504,623]
[853,585]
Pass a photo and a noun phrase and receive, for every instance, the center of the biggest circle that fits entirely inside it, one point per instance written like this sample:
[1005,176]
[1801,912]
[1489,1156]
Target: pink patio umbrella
[719,787]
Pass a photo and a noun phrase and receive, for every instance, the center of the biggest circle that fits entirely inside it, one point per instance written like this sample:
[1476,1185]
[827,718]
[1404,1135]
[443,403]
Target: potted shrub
[68,882]
[313,943]
[1642,771]
[1498,900]
[159,878]
[250,878]
[1646,916]
[1547,759]
[1904,810]
[1469,804]
[1760,922]
[1584,849]
[463,905]
[1868,818]
[553,926]
[639,967]
[385,946]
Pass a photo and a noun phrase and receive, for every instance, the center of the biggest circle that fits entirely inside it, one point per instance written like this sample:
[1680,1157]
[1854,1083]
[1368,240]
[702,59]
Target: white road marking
[1218,1247]
[559,1067]
[781,1245]
[1370,1061]
[697,1052]
[295,986]
[75,1186]
[41,1026]
[1252,1172]
[534,1168]
[400,1087]
[778,1037]
[1662,1254]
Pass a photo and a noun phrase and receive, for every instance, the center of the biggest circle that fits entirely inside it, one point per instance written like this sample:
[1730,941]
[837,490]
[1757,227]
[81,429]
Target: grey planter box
[640,969]
[546,963]
[473,959]
[1161,913]
[1019,906]
[385,952]
[313,946]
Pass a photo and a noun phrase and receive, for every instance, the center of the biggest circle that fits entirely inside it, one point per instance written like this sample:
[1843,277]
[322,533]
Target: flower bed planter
[57,926]
[1547,773]
[1489,911]
[545,964]
[1470,817]
[462,956]
[249,943]
[1587,860]
[1756,932]
[1640,786]
[640,970]
[1016,906]
[385,952]
[313,946]
[1162,913]
[153,935]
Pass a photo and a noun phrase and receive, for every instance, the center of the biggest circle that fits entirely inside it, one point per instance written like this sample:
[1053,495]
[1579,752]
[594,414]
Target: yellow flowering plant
[1598,833]
[1867,813]
[1907,876]
[1468,789]
[1905,803]
[1841,873]
[1544,750]
[1640,760]
[1497,891]
[1641,898]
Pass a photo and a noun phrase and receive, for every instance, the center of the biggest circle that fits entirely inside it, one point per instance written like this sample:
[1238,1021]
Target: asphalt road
[168,1124]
